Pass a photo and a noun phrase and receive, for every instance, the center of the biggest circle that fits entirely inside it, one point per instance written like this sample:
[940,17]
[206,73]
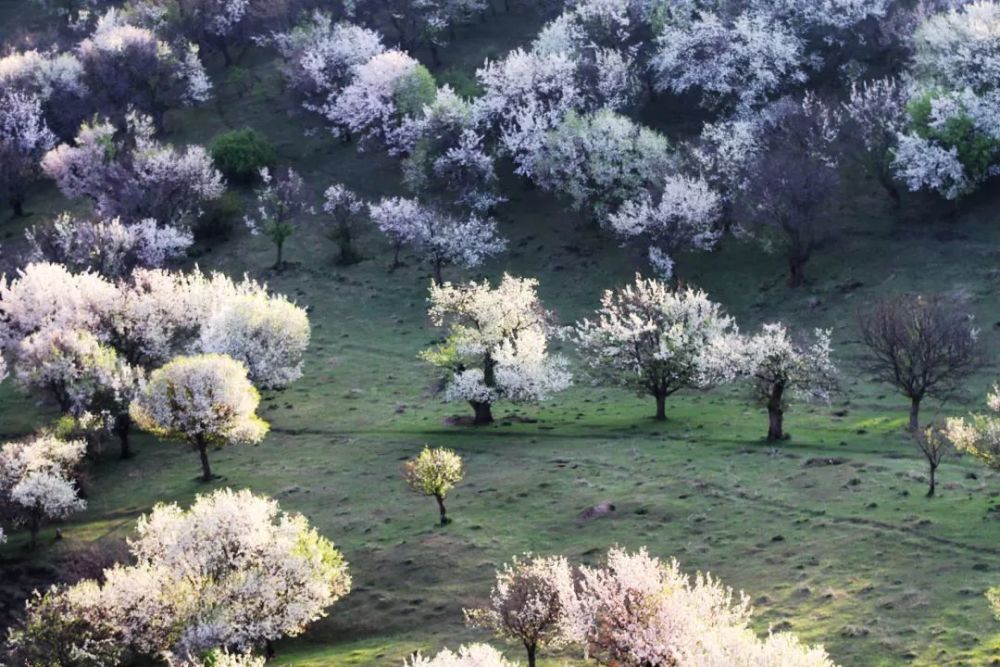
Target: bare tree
[922,345]
[933,445]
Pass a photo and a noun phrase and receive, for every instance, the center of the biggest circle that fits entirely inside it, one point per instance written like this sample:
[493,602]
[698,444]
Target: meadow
[829,532]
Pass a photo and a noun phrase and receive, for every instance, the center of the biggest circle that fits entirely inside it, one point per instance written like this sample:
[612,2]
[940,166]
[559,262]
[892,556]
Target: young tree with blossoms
[440,238]
[473,655]
[652,339]
[529,603]
[933,444]
[680,213]
[637,610]
[24,139]
[127,67]
[497,344]
[202,400]
[345,208]
[775,366]
[36,482]
[279,200]
[134,176]
[231,573]
[921,345]
[434,472]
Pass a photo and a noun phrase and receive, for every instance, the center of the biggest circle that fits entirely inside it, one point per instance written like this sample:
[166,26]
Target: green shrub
[239,154]
[219,218]
[977,151]
[415,90]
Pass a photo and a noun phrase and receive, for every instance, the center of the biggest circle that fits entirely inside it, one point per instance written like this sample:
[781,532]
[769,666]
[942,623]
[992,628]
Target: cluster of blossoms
[434,472]
[632,611]
[952,144]
[438,237]
[36,481]
[136,177]
[24,138]
[233,572]
[497,344]
[980,435]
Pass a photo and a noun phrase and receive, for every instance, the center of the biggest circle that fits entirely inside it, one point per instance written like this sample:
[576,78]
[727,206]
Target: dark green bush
[219,218]
[239,154]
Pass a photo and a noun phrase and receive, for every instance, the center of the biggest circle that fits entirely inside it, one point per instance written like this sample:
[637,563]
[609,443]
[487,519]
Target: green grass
[850,555]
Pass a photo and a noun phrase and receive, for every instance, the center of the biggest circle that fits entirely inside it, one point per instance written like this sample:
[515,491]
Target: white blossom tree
[651,338]
[24,139]
[135,177]
[680,213]
[55,79]
[598,160]
[380,103]
[125,66]
[345,208]
[775,366]
[529,603]
[952,144]
[322,57]
[267,333]
[280,199]
[202,400]
[36,481]
[497,344]
[637,610]
[110,248]
[735,63]
[435,235]
[875,114]
[231,573]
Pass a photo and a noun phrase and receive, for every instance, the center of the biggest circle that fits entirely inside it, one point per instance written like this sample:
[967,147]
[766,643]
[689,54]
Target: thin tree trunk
[775,414]
[933,481]
[532,650]
[914,415]
[661,407]
[438,275]
[484,412]
[33,527]
[17,204]
[796,271]
[206,469]
[268,649]
[122,428]
[441,509]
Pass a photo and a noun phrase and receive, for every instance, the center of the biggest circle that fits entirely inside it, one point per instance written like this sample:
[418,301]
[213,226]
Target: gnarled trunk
[122,427]
[775,413]
[484,412]
[914,414]
[441,509]
[661,407]
[206,469]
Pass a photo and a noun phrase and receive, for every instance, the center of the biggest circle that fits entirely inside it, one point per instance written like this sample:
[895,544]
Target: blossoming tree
[203,400]
[497,344]
[651,338]
[434,472]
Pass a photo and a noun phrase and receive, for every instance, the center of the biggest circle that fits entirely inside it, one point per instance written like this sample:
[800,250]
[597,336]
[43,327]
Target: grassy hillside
[830,533]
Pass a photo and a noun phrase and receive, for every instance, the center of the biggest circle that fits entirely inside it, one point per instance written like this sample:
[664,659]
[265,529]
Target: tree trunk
[395,258]
[914,415]
[438,275]
[206,469]
[122,427]
[933,481]
[268,649]
[346,247]
[441,509]
[661,407]
[890,189]
[532,650]
[17,204]
[796,271]
[775,414]
[281,249]
[34,525]
[484,413]
[226,55]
